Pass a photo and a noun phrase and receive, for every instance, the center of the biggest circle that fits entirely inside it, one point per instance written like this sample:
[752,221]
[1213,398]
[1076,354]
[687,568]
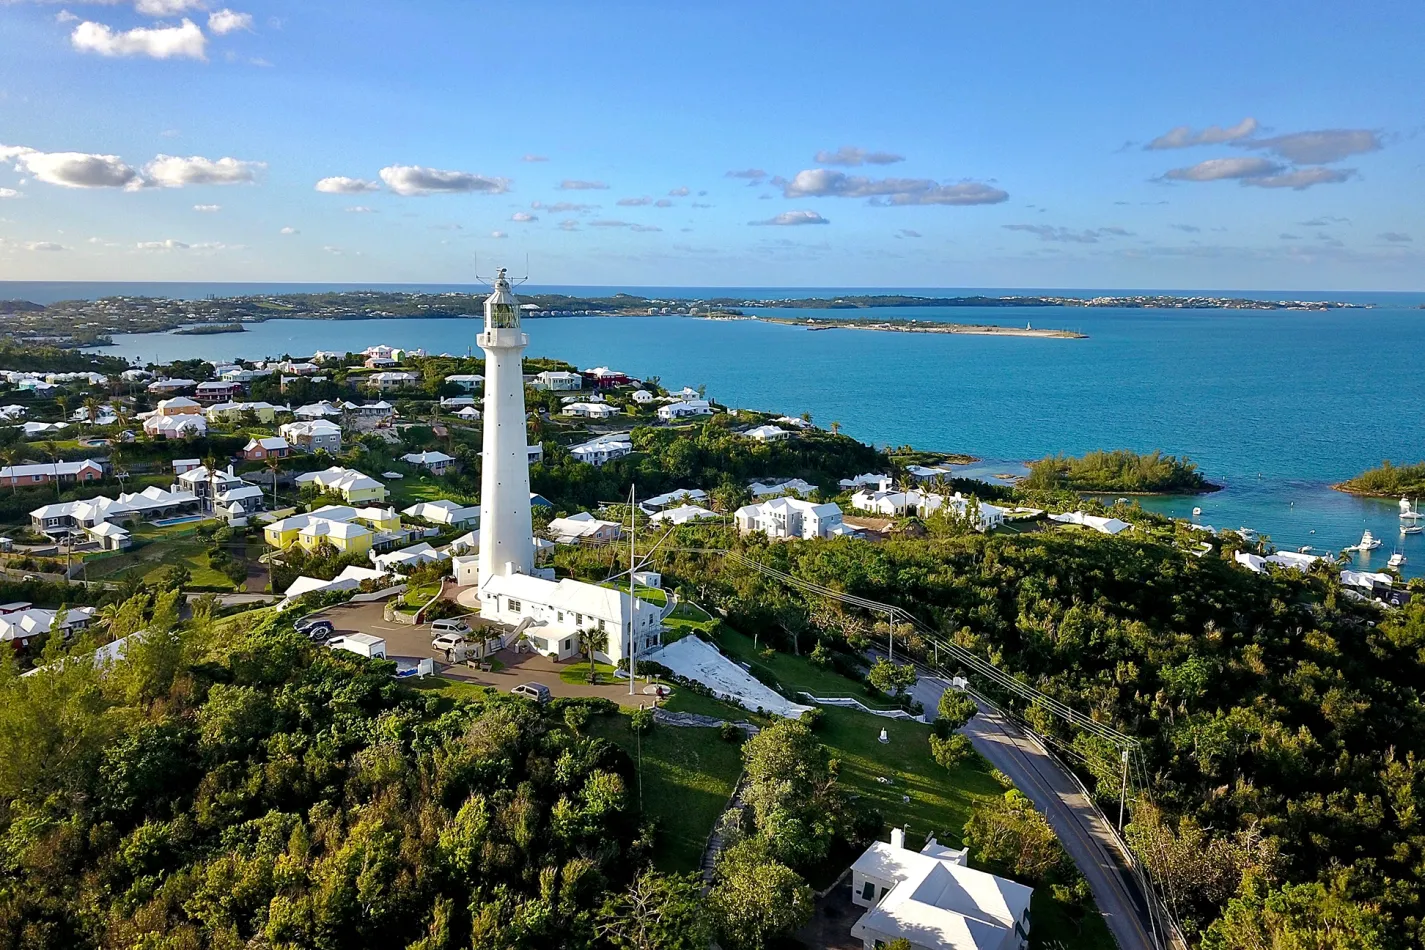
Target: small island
[1121,471]
[1387,481]
[924,326]
[209,329]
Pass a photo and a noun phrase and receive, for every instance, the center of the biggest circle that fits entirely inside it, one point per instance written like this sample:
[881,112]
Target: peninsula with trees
[1118,471]
[1387,481]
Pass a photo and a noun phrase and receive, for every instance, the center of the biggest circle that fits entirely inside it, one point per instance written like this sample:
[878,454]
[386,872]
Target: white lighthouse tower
[506,542]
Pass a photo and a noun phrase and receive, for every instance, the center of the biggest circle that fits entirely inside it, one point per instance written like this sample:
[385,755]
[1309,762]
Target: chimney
[897,837]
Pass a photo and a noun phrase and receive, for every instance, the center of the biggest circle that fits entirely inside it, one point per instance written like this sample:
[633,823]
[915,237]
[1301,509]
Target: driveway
[1084,835]
[413,642]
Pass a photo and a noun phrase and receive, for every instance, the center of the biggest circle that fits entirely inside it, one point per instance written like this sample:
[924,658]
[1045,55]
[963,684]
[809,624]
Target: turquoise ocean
[1274,405]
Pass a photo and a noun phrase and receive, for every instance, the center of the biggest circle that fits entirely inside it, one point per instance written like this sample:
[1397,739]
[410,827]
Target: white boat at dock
[1369,542]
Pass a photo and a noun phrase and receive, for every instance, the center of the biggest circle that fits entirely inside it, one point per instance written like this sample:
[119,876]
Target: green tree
[1013,839]
[892,678]
[1313,916]
[756,900]
[954,710]
[657,912]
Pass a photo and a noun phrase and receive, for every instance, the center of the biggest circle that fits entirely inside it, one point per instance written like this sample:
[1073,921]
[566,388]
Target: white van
[441,627]
[360,643]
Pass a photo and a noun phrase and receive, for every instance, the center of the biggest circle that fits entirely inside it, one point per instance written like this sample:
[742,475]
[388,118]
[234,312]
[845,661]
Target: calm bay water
[1275,405]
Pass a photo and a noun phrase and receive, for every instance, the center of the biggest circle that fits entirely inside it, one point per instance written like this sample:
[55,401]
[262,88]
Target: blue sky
[1267,145]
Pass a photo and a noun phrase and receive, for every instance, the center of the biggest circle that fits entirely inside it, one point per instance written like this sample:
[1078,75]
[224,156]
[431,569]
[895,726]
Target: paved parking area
[413,642]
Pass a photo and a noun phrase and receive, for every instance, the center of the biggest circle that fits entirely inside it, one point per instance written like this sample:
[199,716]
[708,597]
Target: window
[868,893]
[601,626]
[512,605]
[503,316]
[568,644]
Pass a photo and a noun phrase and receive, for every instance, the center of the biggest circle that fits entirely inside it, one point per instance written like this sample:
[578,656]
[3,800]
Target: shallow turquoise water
[1275,405]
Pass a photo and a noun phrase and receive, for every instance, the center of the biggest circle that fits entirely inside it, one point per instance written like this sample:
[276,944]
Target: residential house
[291,368]
[452,403]
[535,453]
[405,559]
[789,486]
[687,392]
[795,422]
[437,463]
[20,622]
[43,473]
[932,899]
[550,614]
[381,362]
[386,382]
[185,465]
[175,427]
[643,397]
[558,381]
[13,412]
[348,529]
[605,448]
[82,517]
[469,414]
[216,392]
[172,385]
[42,428]
[868,480]
[897,503]
[240,375]
[179,406]
[684,514]
[677,496]
[313,435]
[466,381]
[271,447]
[355,487]
[926,473]
[445,512]
[1109,526]
[584,528]
[785,517]
[234,412]
[205,484]
[590,410]
[317,410]
[601,377]
[685,409]
[371,410]
[768,434]
[103,416]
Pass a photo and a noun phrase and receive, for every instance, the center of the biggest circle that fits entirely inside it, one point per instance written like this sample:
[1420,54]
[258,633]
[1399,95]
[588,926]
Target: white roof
[49,468]
[311,427]
[1366,579]
[766,432]
[1099,524]
[684,514]
[427,458]
[177,402]
[271,443]
[796,485]
[415,554]
[567,595]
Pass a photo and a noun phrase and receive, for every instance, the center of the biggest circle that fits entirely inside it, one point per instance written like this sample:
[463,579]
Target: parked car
[535,691]
[441,627]
[317,631]
[452,645]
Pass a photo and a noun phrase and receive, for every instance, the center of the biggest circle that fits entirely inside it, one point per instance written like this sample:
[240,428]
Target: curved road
[1085,836]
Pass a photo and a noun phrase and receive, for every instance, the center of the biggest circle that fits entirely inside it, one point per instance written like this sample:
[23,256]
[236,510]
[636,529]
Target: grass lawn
[413,488]
[579,672]
[686,701]
[150,559]
[688,618]
[687,776]
[795,673]
[653,595]
[453,689]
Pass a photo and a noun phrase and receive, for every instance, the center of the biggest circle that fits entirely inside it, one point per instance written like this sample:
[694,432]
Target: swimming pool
[186,519]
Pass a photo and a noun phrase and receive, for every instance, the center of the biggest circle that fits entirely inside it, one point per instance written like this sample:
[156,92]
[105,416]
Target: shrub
[731,732]
[812,718]
[820,656]
[951,752]
[577,717]
[641,720]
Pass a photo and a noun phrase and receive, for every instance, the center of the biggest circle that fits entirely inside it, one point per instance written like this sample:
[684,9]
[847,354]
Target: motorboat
[1412,529]
[1197,512]
[1369,542]
[1396,560]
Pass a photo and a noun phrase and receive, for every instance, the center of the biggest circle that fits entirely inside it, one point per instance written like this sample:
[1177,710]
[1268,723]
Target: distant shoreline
[916,326]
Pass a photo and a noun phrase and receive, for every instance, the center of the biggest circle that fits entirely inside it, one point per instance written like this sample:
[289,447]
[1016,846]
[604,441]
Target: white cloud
[162,42]
[361,209]
[208,208]
[289,230]
[753,176]
[226,21]
[565,207]
[64,16]
[1320,147]
[43,246]
[792,218]
[166,7]
[634,202]
[498,234]
[644,228]
[535,158]
[850,155]
[1217,169]
[409,180]
[1184,137]
[1302,178]
[568,224]
[1066,235]
[574,184]
[73,169]
[824,182]
[167,245]
[680,192]
[663,203]
[1395,237]
[523,216]
[9,193]
[341,185]
[172,171]
[907,233]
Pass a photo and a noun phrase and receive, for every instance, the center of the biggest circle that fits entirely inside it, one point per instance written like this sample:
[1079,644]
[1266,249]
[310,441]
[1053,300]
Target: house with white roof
[452,403]
[868,480]
[468,413]
[350,484]
[269,447]
[235,411]
[687,392]
[84,517]
[437,463]
[444,512]
[584,528]
[796,422]
[347,529]
[605,448]
[405,559]
[23,624]
[172,385]
[466,381]
[590,410]
[43,473]
[684,514]
[386,382]
[179,406]
[205,484]
[380,409]
[534,453]
[309,436]
[935,901]
[675,497]
[925,473]
[685,409]
[217,391]
[789,486]
[768,434]
[43,428]
[643,397]
[785,517]
[1101,525]
[175,427]
[986,517]
[558,381]
[103,416]
[557,610]
[318,410]
[895,504]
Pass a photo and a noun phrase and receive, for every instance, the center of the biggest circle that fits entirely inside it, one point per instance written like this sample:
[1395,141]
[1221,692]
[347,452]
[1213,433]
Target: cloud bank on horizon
[967,175]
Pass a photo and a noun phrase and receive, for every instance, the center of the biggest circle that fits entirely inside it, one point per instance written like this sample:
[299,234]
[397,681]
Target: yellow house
[234,411]
[349,530]
[347,537]
[350,484]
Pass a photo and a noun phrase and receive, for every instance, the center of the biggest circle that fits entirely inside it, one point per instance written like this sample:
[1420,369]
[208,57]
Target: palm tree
[52,450]
[63,403]
[9,455]
[835,428]
[211,462]
[591,642]
[274,465]
[92,405]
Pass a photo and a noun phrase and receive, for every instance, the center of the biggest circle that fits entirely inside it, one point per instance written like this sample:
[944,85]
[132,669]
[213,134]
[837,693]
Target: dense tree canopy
[1118,471]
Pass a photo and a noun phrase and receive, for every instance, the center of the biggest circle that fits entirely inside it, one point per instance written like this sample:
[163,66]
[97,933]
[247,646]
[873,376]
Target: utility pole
[1123,794]
[632,613]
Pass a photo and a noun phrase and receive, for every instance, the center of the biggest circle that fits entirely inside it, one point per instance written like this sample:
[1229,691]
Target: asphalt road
[1078,826]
